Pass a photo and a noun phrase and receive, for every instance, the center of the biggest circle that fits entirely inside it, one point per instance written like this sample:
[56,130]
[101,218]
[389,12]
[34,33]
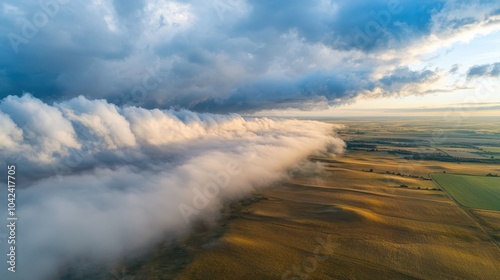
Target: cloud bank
[96,181]
[231,55]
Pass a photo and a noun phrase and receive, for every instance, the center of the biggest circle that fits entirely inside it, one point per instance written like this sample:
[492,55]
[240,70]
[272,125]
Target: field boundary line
[467,212]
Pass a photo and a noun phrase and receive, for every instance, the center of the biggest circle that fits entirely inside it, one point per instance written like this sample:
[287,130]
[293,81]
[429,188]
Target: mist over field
[101,180]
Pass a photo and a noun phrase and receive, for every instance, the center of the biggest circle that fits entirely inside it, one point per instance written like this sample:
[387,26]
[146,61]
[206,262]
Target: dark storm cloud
[306,92]
[358,24]
[219,55]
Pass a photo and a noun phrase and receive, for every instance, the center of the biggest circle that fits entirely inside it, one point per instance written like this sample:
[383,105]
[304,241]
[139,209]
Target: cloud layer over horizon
[97,180]
[233,55]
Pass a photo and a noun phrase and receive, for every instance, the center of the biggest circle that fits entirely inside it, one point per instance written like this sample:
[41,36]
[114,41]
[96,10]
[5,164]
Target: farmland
[481,192]
[386,218]
[371,213]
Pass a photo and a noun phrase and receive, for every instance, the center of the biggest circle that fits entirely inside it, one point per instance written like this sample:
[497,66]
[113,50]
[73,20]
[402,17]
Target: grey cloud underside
[484,70]
[222,55]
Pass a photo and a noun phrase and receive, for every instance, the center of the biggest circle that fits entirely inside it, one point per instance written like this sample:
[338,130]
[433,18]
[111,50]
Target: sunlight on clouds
[108,13]
[44,127]
[102,119]
[163,19]
[10,134]
[130,170]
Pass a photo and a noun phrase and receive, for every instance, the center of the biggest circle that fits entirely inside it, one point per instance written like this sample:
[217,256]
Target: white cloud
[10,134]
[135,176]
[45,129]
[102,119]
[164,19]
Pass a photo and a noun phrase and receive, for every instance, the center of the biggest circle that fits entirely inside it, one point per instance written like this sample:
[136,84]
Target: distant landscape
[385,207]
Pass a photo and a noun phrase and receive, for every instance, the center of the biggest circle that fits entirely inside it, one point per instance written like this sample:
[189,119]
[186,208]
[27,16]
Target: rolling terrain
[380,214]
[371,213]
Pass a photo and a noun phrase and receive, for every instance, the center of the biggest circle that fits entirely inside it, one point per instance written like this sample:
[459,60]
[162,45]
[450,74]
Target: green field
[479,192]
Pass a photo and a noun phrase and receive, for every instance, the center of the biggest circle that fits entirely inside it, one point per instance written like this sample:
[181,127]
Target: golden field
[371,213]
[375,229]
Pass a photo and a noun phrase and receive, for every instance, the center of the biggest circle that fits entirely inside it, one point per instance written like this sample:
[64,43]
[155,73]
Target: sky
[318,57]
[143,118]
